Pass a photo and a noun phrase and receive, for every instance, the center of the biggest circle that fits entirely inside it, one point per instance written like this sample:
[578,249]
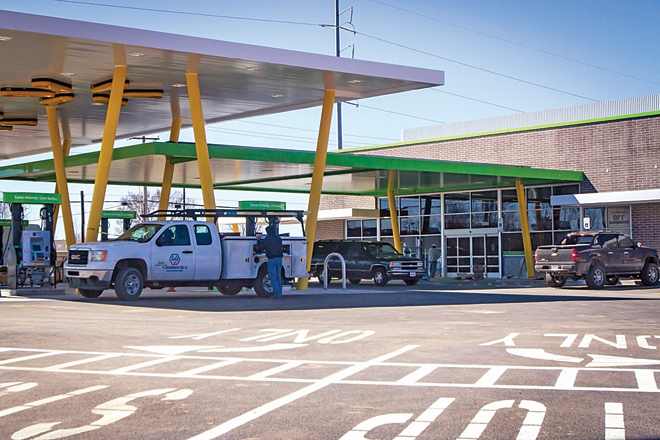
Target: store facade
[616,145]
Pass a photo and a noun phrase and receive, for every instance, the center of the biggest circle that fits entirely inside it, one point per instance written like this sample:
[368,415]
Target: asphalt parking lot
[443,359]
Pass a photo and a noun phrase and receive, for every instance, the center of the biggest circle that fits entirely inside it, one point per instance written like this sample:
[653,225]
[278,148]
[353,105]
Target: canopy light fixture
[60,98]
[252,69]
[136,54]
[5,38]
[18,120]
[25,92]
[104,98]
[178,85]
[56,85]
[104,85]
[355,81]
[140,92]
[67,73]
[276,96]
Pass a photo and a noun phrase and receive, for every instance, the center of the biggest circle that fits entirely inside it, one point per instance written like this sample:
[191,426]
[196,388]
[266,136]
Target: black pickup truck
[600,258]
[364,259]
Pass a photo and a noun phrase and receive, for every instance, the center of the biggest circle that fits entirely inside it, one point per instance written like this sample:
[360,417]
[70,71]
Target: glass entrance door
[464,253]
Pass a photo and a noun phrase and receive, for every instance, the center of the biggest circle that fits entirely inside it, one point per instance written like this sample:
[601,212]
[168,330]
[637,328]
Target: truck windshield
[382,249]
[578,239]
[140,233]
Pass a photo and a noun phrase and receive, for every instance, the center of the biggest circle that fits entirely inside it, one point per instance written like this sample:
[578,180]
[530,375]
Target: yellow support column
[317,180]
[168,172]
[203,162]
[60,174]
[66,146]
[391,183]
[524,223]
[105,156]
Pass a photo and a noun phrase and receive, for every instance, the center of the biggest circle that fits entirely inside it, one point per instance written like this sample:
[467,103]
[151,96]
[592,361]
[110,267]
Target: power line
[516,43]
[197,14]
[285,137]
[477,100]
[316,131]
[492,72]
[402,114]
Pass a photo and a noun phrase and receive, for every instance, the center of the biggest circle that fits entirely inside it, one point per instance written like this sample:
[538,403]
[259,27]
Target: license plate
[555,267]
[413,274]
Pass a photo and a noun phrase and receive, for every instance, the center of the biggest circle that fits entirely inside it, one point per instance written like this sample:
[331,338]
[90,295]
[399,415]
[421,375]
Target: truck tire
[229,287]
[87,293]
[129,284]
[554,281]
[649,274]
[380,276]
[319,276]
[611,280]
[595,278]
[262,286]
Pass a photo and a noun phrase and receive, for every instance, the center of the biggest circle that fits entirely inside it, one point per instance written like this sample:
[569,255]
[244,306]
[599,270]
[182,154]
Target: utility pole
[338,49]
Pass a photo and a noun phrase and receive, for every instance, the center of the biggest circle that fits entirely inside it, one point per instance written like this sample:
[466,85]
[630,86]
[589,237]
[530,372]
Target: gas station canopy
[235,168]
[236,80]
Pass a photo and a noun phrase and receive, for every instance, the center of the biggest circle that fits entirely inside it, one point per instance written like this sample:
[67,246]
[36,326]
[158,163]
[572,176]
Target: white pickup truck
[159,254]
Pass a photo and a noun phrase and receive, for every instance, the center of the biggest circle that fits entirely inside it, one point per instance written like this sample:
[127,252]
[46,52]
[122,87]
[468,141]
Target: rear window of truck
[578,239]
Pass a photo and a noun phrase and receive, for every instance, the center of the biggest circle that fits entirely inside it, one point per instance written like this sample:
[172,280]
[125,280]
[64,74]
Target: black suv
[364,260]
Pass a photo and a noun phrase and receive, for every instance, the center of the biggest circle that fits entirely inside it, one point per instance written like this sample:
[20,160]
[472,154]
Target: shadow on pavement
[247,302]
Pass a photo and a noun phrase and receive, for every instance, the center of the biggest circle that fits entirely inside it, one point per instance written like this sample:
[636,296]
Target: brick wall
[615,156]
[337,202]
[327,229]
[645,221]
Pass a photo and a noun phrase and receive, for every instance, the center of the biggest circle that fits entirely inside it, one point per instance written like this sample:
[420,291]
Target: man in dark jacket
[273,246]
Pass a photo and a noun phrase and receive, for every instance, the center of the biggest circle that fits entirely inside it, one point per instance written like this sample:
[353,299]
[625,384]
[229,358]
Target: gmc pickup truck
[163,253]
[599,258]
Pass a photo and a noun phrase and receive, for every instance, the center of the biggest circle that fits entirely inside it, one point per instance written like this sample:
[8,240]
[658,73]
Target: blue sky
[556,44]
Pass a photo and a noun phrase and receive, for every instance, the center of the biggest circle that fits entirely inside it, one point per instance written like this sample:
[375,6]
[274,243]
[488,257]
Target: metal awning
[608,198]
[289,171]
[236,80]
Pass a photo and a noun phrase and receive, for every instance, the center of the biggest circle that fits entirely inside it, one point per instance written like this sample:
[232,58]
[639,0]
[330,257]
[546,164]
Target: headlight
[97,256]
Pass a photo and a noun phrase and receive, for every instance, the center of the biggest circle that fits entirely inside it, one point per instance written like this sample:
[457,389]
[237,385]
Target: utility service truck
[184,250]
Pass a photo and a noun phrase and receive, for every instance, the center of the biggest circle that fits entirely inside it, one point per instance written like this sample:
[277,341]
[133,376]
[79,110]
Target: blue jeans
[275,275]
[433,268]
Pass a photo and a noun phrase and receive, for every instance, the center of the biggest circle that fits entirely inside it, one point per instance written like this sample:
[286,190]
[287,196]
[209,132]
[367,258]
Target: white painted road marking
[529,430]
[204,335]
[172,350]
[491,377]
[82,361]
[507,340]
[278,403]
[16,387]
[361,430]
[541,354]
[29,358]
[570,338]
[425,419]
[206,368]
[271,347]
[25,406]
[614,427]
[600,361]
[110,412]
[144,364]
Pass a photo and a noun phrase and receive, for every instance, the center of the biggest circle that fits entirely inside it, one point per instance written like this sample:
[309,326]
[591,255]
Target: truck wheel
[229,287]
[129,284]
[554,281]
[596,277]
[355,281]
[320,278]
[87,293]
[611,280]
[262,286]
[411,282]
[380,276]
[649,274]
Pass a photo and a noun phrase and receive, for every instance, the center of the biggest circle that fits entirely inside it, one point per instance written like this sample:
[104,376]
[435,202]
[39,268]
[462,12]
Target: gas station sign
[262,205]
[32,198]
[119,215]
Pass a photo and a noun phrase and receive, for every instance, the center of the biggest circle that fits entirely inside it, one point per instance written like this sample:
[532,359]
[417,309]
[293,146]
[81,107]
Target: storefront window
[512,242]
[562,190]
[539,198]
[509,200]
[370,228]
[484,201]
[596,218]
[431,225]
[409,206]
[386,227]
[511,221]
[540,220]
[541,239]
[431,205]
[457,221]
[384,206]
[354,229]
[409,225]
[457,203]
[566,218]
[484,220]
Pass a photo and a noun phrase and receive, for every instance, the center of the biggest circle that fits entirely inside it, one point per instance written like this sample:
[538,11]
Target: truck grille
[78,257]
[406,265]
